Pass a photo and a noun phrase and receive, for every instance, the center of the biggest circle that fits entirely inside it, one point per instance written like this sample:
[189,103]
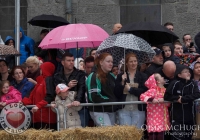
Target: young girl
[64,98]
[9,94]
[168,53]
[157,114]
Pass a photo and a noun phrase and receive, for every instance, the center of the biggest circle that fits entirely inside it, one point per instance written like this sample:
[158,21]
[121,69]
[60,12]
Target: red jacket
[37,96]
[13,96]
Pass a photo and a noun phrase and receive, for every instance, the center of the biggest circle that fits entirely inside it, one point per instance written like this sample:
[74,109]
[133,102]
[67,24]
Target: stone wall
[104,13]
[185,15]
[100,12]
[7,17]
[38,7]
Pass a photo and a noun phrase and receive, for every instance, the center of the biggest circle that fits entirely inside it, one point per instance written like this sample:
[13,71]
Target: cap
[157,51]
[61,88]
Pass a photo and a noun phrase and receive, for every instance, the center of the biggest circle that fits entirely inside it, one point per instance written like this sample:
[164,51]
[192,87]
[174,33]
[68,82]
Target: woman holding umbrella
[100,86]
[128,87]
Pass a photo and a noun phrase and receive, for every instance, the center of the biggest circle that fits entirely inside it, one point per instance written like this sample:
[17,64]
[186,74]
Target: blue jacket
[8,38]
[77,54]
[26,47]
[25,87]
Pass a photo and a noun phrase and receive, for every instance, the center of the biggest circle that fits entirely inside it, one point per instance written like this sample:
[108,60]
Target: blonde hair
[32,60]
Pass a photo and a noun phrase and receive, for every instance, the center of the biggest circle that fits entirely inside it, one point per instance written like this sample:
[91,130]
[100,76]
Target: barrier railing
[56,111]
[92,104]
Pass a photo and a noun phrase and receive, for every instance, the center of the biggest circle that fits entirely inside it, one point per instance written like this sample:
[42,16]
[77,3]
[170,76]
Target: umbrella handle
[125,81]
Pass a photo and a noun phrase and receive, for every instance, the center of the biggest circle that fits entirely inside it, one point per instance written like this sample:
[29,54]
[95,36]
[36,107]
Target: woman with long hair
[100,86]
[20,82]
[128,87]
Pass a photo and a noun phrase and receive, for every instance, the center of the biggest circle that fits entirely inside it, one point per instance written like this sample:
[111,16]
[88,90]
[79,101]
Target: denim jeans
[127,117]
[84,116]
[103,118]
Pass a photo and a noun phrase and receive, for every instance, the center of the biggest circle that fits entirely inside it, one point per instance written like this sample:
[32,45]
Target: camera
[191,44]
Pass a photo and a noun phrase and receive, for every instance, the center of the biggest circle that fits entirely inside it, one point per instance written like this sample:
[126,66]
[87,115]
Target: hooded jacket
[39,95]
[26,47]
[9,38]
[156,122]
[13,96]
[173,58]
[25,87]
[10,59]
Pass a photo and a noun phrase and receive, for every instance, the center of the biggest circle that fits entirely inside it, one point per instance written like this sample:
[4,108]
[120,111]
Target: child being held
[8,94]
[182,91]
[63,100]
[157,114]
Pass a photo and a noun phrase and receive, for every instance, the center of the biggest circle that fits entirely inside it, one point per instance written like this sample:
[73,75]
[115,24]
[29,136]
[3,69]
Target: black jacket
[140,78]
[78,75]
[50,90]
[184,111]
[151,69]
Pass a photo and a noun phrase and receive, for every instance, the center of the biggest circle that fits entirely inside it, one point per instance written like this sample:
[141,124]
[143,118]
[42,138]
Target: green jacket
[98,92]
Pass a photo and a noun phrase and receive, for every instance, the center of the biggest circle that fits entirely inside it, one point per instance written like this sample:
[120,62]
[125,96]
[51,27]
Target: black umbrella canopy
[153,33]
[48,21]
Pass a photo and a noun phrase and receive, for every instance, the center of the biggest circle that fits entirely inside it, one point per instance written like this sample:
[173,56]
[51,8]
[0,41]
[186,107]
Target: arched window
[7,17]
[140,10]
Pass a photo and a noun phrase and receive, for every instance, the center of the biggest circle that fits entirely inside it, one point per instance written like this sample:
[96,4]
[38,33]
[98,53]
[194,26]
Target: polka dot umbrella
[120,44]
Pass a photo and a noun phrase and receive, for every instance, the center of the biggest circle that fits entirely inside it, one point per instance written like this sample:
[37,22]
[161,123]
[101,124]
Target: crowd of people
[64,79]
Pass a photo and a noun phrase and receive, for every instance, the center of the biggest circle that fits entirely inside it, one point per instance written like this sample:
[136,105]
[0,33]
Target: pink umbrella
[74,36]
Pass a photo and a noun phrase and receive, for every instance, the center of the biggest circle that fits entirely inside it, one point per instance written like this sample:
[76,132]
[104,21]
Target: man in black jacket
[72,77]
[75,80]
[157,62]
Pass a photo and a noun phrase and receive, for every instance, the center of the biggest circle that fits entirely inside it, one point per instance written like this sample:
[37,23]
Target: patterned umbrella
[120,44]
[8,50]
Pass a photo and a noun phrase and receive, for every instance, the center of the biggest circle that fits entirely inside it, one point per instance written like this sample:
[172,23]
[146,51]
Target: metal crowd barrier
[49,106]
[93,104]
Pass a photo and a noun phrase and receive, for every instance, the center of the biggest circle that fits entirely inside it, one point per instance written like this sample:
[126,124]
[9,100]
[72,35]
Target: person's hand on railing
[69,105]
[75,103]
[160,100]
[53,105]
[155,100]
[34,109]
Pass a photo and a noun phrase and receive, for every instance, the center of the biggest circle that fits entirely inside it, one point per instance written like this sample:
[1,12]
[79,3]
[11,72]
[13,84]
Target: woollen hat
[61,88]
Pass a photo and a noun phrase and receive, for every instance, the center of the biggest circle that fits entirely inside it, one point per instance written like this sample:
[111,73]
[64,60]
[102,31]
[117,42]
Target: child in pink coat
[9,94]
[157,113]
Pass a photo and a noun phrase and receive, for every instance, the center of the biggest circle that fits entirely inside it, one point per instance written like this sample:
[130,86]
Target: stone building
[185,14]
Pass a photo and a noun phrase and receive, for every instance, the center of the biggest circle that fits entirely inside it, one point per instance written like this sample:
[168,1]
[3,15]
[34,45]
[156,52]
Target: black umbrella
[153,33]
[48,21]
